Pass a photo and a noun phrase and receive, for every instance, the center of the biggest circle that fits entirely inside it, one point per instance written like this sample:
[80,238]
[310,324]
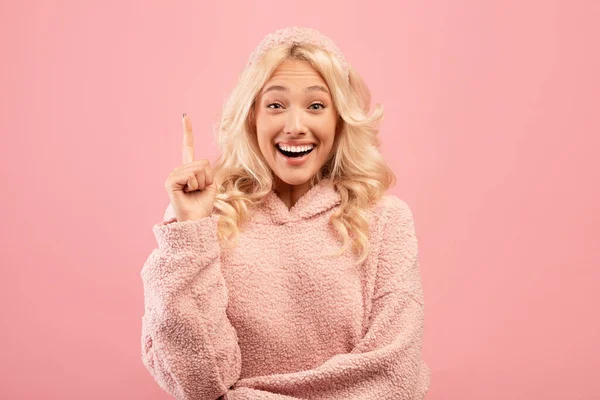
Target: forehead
[295,73]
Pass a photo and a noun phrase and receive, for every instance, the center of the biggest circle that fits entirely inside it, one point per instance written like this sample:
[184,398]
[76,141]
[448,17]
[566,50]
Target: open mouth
[293,154]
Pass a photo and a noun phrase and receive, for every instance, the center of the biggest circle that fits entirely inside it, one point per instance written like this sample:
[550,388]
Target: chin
[295,178]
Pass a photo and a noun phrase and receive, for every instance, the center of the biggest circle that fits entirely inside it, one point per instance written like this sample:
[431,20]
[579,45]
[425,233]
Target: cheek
[327,149]
[265,127]
[265,144]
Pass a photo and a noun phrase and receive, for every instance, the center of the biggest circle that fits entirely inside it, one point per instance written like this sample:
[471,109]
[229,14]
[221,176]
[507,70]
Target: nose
[294,124]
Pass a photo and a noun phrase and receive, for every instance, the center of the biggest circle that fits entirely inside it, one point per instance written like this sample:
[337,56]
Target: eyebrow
[313,88]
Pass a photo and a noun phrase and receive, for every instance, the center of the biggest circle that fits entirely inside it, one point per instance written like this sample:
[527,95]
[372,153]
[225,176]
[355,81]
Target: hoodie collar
[321,197]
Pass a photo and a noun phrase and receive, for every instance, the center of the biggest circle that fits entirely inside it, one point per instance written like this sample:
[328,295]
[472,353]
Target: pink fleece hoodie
[272,319]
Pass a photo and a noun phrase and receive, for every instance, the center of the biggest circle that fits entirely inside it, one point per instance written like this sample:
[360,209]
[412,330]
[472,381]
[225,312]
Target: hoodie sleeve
[188,344]
[386,363]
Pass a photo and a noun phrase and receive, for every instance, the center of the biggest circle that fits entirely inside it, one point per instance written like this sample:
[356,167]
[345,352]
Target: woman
[247,295]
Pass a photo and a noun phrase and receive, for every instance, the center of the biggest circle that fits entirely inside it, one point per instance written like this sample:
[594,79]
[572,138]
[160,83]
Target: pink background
[491,125]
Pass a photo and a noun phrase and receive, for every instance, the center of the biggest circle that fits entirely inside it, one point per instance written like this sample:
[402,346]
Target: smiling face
[295,107]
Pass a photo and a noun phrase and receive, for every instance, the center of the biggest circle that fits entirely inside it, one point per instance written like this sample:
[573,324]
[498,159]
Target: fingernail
[183,115]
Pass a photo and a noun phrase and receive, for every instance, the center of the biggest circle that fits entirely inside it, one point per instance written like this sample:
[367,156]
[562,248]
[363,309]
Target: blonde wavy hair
[355,165]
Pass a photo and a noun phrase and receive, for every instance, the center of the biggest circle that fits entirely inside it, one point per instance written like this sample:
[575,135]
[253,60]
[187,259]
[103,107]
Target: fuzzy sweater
[274,319]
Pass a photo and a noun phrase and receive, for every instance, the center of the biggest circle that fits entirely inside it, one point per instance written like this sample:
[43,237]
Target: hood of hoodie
[321,197]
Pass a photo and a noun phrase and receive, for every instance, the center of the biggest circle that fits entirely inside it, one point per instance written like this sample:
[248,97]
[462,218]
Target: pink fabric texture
[273,318]
[299,35]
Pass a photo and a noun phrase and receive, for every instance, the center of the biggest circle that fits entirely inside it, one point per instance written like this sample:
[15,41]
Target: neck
[289,194]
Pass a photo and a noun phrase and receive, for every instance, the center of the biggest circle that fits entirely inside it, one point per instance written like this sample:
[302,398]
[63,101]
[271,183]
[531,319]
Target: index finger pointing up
[188,140]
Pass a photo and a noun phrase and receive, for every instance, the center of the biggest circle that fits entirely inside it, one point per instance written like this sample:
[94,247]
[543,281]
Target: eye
[317,104]
[313,104]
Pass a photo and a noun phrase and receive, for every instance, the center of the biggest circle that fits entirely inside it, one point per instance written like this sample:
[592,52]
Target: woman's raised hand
[191,187]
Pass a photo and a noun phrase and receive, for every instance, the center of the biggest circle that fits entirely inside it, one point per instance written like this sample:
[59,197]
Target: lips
[294,143]
[291,154]
[294,161]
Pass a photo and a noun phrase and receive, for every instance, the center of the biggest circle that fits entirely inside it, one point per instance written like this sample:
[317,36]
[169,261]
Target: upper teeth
[295,149]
